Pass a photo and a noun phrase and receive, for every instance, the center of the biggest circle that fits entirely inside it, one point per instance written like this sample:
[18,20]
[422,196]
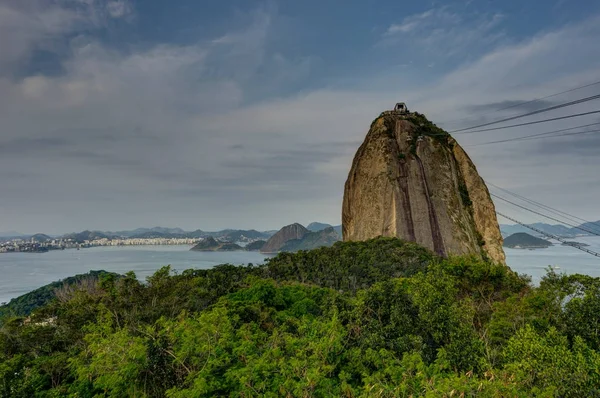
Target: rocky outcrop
[411,180]
[285,234]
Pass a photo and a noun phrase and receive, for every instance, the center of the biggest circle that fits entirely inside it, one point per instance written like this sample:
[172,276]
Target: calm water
[23,272]
[568,259]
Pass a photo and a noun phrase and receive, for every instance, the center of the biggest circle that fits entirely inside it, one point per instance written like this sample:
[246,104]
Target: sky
[118,114]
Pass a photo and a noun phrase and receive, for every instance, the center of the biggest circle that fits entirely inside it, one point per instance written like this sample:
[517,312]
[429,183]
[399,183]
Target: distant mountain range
[296,237]
[209,244]
[558,229]
[231,235]
[241,235]
[312,240]
[318,226]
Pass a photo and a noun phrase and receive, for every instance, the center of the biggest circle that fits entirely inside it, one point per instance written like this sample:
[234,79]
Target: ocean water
[564,259]
[21,273]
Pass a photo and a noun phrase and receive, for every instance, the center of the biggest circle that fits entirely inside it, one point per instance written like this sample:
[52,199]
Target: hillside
[317,226]
[280,238]
[379,318]
[23,305]
[312,240]
[40,238]
[210,244]
[81,237]
[257,245]
[523,240]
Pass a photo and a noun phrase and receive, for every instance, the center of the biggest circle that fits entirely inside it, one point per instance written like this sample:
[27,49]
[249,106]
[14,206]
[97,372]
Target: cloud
[30,26]
[413,22]
[119,8]
[168,131]
[522,105]
[445,31]
[117,125]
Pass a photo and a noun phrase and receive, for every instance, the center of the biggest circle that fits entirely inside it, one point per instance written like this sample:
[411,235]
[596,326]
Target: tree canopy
[381,318]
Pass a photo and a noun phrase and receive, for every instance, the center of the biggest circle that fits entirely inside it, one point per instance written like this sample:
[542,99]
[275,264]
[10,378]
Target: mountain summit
[411,179]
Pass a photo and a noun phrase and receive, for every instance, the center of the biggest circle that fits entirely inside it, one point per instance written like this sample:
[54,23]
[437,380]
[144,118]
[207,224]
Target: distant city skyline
[246,114]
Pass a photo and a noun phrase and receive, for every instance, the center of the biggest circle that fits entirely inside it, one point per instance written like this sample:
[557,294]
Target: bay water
[21,273]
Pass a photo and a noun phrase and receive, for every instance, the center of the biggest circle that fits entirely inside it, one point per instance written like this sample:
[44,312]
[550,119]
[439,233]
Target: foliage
[380,318]
[23,305]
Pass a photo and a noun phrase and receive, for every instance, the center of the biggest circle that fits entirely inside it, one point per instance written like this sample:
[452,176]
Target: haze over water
[24,272]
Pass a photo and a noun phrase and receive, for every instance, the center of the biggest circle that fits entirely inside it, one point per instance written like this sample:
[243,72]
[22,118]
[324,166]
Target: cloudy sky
[212,114]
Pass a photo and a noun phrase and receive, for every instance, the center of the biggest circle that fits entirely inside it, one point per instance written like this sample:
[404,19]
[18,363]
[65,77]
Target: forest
[381,318]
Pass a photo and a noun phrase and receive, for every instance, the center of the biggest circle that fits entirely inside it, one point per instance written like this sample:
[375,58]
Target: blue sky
[213,114]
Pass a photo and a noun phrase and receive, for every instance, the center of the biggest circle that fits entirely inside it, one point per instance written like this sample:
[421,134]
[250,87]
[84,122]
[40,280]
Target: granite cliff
[410,179]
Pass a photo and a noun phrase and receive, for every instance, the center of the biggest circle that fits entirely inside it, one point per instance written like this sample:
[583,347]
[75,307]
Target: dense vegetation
[23,305]
[380,318]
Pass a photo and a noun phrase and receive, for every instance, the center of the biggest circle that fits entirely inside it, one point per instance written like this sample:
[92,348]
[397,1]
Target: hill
[379,318]
[81,237]
[140,231]
[410,179]
[210,244]
[25,304]
[523,240]
[312,240]
[317,226]
[239,235]
[41,238]
[207,244]
[257,245]
[285,234]
[156,234]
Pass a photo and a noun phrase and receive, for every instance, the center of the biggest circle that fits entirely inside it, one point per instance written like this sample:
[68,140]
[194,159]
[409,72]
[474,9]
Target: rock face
[411,180]
[287,233]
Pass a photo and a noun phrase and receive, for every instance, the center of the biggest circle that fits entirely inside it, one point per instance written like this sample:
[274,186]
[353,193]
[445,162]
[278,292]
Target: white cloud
[444,32]
[27,26]
[413,22]
[172,130]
